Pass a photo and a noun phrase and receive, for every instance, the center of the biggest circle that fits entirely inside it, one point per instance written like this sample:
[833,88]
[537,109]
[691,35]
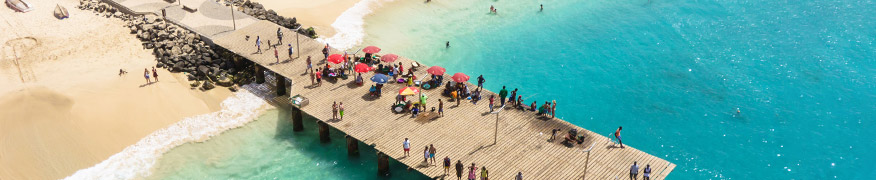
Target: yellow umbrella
[408,91]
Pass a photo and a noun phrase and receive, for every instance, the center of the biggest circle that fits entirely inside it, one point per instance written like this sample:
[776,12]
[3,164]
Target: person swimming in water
[540,7]
[448,45]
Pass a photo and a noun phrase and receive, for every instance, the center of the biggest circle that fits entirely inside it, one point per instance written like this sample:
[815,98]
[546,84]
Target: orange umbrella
[336,58]
[408,91]
[389,57]
[371,49]
[459,77]
[362,67]
[436,70]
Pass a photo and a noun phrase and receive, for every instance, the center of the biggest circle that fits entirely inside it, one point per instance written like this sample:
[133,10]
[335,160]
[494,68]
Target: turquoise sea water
[673,73]
[267,148]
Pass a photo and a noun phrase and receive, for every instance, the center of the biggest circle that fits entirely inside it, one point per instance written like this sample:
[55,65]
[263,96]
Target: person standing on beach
[341,110]
[446,165]
[146,74]
[407,146]
[634,171]
[458,169]
[553,109]
[481,81]
[432,152]
[440,108]
[502,94]
[647,172]
[155,74]
[334,110]
[617,136]
[472,172]
[279,36]
[258,44]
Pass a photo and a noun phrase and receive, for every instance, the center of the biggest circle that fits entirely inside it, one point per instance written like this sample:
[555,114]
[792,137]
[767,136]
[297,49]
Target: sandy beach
[63,106]
[318,14]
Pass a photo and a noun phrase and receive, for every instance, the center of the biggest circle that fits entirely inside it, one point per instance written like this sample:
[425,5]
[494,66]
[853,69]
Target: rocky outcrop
[258,10]
[178,49]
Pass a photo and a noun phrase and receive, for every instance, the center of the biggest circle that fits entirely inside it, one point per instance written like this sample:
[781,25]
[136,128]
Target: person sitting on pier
[415,111]
[519,103]
[573,138]
[532,107]
[359,80]
[476,96]
[372,91]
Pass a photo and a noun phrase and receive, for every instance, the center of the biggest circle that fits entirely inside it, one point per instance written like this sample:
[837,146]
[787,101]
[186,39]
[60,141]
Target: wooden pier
[465,133]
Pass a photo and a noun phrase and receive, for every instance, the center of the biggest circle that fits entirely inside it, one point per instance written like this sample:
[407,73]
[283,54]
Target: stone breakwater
[180,50]
[259,11]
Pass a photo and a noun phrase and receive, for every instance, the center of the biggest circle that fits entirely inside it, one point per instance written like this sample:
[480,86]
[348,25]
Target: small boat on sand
[61,12]
[19,5]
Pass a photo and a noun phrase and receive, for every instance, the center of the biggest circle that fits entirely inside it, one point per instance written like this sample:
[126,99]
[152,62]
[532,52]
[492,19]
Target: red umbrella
[362,67]
[389,57]
[459,77]
[436,70]
[336,58]
[371,49]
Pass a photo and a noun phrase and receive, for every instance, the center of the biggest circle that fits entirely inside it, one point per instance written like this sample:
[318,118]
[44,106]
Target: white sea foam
[137,160]
[350,25]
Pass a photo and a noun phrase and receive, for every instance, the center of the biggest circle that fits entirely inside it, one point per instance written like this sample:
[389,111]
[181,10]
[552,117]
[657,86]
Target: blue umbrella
[380,78]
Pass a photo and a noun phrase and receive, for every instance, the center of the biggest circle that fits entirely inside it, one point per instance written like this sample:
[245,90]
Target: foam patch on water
[137,160]
[350,25]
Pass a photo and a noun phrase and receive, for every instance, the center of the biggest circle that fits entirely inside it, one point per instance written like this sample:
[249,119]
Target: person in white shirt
[647,172]
[407,146]
[634,171]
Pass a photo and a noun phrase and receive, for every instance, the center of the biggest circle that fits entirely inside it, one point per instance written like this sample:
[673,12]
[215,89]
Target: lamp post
[297,45]
[496,131]
[233,21]
[587,164]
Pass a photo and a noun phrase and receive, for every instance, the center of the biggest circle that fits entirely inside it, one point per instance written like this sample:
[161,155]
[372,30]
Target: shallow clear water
[673,73]
[268,149]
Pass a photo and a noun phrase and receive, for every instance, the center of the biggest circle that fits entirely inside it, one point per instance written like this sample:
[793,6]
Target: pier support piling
[281,84]
[259,74]
[382,164]
[323,131]
[297,119]
[352,146]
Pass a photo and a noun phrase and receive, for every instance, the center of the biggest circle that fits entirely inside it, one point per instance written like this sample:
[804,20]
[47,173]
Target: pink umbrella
[436,70]
[389,57]
[336,58]
[362,67]
[371,49]
[459,77]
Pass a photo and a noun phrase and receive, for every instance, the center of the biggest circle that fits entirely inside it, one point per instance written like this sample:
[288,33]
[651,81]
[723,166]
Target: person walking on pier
[647,172]
[446,165]
[458,169]
[502,94]
[341,110]
[492,98]
[258,44]
[617,136]
[485,175]
[155,74]
[426,155]
[634,171]
[432,152]
[279,36]
[309,64]
[440,108]
[481,81]
[312,78]
[291,51]
[472,172]
[519,176]
[407,146]
[146,74]
[334,110]
[276,55]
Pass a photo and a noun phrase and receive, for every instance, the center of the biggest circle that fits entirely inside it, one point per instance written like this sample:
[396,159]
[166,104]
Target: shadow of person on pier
[147,84]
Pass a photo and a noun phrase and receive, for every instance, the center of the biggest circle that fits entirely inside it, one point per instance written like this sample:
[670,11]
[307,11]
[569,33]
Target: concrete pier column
[259,74]
[323,131]
[382,164]
[297,119]
[352,146]
[281,84]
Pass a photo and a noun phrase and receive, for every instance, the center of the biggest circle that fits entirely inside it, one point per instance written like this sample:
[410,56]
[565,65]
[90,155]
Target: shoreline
[64,107]
[319,15]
